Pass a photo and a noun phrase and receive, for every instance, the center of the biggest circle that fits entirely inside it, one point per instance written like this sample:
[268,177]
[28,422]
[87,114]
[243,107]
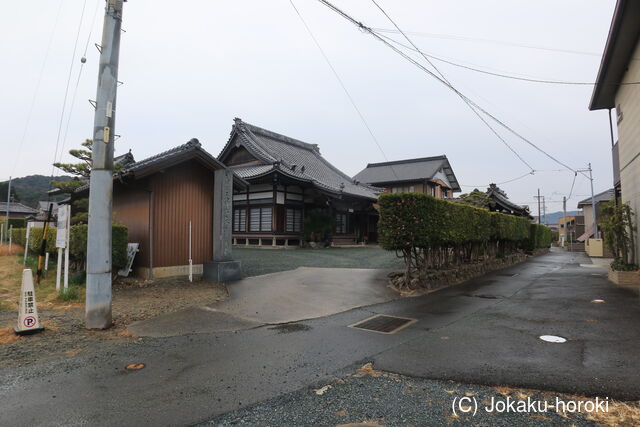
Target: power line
[37,89]
[503,75]
[466,101]
[503,182]
[75,90]
[66,92]
[344,88]
[448,85]
[481,40]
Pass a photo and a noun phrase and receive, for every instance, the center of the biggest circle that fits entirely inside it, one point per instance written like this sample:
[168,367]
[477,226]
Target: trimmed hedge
[430,233]
[78,243]
[17,222]
[420,220]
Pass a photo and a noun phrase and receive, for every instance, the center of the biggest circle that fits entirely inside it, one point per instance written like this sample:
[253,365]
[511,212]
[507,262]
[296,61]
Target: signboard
[61,234]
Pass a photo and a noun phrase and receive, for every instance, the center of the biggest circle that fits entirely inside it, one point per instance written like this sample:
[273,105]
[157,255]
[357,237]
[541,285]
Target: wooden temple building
[287,179]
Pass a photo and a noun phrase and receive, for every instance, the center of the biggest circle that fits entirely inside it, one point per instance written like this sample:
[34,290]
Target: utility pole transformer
[98,299]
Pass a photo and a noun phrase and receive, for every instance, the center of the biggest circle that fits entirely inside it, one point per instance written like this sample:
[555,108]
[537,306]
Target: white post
[66,249]
[10,236]
[46,261]
[59,270]
[26,244]
[190,260]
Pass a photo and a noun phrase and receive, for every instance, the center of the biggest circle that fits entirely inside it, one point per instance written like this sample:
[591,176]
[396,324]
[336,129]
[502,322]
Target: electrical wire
[503,182]
[344,88]
[572,184]
[66,92]
[75,90]
[474,39]
[503,75]
[37,89]
[464,98]
[448,85]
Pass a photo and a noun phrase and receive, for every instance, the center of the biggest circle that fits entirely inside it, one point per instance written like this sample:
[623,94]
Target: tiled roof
[500,197]
[15,207]
[165,158]
[605,196]
[408,170]
[294,158]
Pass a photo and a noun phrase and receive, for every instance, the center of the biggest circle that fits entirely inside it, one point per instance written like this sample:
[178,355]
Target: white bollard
[46,261]
[10,236]
[59,270]
[28,321]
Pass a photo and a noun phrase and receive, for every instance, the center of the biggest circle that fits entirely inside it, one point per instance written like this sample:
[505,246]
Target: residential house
[594,247]
[427,175]
[616,88]
[587,209]
[162,200]
[16,210]
[289,178]
[569,233]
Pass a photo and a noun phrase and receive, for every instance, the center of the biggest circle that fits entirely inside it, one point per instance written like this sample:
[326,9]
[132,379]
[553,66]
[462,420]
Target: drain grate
[383,324]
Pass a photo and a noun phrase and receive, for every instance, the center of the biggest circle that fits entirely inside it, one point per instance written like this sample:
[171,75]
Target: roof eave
[621,42]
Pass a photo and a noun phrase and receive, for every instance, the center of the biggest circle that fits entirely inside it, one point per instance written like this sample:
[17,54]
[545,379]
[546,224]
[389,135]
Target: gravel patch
[373,398]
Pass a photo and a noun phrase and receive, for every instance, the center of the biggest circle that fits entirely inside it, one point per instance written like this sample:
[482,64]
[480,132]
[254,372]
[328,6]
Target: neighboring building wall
[628,102]
[587,212]
[131,208]
[181,194]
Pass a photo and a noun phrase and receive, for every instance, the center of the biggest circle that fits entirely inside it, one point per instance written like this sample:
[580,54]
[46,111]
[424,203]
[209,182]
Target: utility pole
[544,210]
[8,201]
[98,298]
[596,233]
[538,197]
[564,221]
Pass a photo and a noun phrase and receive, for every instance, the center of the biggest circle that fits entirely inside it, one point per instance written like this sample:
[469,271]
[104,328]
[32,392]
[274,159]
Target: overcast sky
[190,67]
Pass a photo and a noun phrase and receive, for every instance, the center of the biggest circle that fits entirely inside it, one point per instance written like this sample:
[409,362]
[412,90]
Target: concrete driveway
[284,297]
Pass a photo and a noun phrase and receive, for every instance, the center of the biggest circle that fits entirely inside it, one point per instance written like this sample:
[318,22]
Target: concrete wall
[628,105]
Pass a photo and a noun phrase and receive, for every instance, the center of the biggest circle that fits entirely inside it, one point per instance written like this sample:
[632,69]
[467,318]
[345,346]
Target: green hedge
[78,243]
[420,220]
[119,236]
[540,237]
[16,222]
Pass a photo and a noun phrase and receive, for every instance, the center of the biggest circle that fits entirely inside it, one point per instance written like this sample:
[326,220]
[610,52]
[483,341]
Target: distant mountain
[30,189]
[552,217]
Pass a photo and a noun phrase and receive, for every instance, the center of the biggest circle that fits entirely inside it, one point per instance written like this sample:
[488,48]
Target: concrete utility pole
[8,201]
[538,197]
[544,210]
[564,221]
[596,233]
[98,299]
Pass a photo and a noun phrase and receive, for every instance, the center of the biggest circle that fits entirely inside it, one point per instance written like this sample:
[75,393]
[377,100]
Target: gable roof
[499,197]
[15,207]
[621,43]
[191,150]
[605,196]
[291,157]
[424,168]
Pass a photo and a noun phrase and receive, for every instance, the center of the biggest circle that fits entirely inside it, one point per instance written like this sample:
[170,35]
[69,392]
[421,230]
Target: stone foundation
[432,280]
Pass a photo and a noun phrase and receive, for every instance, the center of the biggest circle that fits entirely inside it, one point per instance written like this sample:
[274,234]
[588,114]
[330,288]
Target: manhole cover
[552,338]
[383,324]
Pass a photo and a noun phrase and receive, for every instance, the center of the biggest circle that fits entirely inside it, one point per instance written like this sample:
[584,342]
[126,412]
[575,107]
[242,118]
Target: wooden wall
[181,194]
[131,208]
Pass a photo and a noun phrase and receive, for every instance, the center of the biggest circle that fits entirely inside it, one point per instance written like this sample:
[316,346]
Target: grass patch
[71,294]
[11,267]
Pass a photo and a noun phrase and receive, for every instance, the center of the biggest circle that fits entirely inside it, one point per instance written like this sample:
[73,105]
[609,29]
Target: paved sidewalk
[288,296]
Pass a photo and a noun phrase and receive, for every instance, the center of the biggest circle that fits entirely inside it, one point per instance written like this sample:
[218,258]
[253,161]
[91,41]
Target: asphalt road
[484,331]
